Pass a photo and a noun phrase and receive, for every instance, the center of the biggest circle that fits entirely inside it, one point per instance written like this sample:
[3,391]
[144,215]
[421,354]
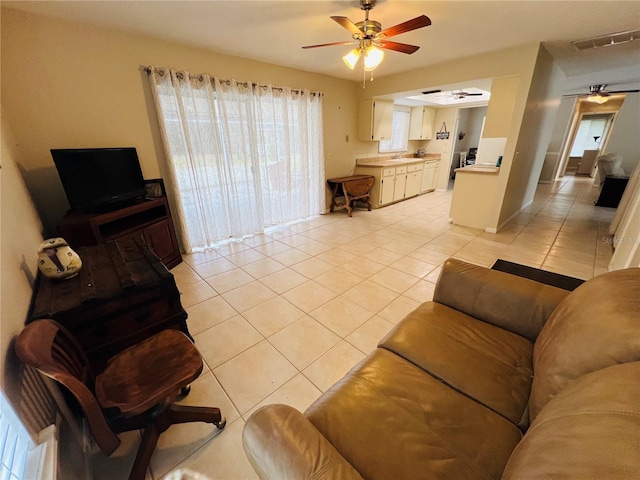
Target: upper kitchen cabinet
[421,123]
[375,117]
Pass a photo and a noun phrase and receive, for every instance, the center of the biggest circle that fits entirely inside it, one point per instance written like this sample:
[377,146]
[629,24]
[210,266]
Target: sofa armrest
[281,443]
[514,303]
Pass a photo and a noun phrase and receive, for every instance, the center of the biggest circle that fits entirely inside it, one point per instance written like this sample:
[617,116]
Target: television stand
[146,218]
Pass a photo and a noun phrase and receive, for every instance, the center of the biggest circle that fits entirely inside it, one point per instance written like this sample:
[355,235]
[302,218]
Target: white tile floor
[280,317]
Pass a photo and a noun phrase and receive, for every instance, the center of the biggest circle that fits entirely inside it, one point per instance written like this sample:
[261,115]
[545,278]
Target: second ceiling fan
[370,37]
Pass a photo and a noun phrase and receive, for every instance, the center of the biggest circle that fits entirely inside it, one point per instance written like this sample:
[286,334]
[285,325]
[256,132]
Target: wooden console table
[352,188]
[122,295]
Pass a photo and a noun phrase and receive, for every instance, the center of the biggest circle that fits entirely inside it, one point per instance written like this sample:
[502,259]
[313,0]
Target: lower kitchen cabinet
[414,180]
[386,186]
[396,181]
[429,177]
[400,181]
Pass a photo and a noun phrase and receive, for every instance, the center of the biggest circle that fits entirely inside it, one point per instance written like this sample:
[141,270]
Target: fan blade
[413,24]
[348,24]
[328,44]
[624,91]
[398,47]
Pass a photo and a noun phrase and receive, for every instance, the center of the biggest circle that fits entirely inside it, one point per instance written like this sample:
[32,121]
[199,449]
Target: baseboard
[501,226]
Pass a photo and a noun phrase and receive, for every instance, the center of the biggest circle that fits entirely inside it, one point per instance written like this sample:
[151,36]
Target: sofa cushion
[391,419]
[596,326]
[514,303]
[590,430]
[491,365]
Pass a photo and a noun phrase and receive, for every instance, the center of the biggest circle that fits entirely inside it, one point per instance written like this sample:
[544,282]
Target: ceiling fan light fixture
[597,98]
[372,58]
[351,58]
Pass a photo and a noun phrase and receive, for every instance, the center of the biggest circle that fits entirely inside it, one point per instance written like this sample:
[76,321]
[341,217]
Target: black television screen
[99,178]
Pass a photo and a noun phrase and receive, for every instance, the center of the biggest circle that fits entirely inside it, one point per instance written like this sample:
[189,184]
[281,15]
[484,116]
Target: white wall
[560,128]
[470,122]
[625,137]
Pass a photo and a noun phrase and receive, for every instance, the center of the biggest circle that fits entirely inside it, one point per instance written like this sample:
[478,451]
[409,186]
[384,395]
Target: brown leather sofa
[499,376]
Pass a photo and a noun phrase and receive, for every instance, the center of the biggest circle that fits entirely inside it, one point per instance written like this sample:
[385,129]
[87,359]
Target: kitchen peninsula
[474,194]
[399,178]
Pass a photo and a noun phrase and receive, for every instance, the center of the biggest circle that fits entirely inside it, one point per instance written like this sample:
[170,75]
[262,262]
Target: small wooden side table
[354,187]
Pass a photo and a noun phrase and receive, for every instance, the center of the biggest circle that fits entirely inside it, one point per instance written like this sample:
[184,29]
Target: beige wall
[511,61]
[504,93]
[443,147]
[69,85]
[533,137]
[20,235]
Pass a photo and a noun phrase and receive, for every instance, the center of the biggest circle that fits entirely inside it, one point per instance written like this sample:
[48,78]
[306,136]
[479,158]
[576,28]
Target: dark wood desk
[122,295]
[352,188]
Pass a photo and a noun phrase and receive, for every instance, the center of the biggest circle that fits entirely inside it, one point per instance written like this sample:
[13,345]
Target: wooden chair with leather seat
[137,390]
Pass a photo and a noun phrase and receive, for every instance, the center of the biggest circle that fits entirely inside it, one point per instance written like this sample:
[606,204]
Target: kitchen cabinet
[400,182]
[429,176]
[414,180]
[396,179]
[421,123]
[392,185]
[387,184]
[375,118]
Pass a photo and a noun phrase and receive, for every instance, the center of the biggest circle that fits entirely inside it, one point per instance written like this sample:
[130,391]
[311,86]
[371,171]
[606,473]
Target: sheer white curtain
[242,156]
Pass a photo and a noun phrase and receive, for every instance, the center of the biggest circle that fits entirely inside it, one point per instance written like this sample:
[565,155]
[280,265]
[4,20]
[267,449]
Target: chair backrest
[51,349]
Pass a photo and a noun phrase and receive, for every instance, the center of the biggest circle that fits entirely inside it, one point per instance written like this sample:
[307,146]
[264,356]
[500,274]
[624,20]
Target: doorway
[469,125]
[589,137]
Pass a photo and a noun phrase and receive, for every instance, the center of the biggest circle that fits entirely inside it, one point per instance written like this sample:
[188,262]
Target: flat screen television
[97,179]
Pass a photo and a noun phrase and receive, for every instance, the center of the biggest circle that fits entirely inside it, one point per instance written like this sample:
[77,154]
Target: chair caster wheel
[184,391]
[221,424]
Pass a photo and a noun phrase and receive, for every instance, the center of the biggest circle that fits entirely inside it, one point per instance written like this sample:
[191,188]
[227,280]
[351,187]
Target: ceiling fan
[598,94]
[459,94]
[370,37]
[455,94]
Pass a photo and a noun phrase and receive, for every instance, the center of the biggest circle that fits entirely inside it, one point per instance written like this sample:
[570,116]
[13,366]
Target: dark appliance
[471,157]
[98,179]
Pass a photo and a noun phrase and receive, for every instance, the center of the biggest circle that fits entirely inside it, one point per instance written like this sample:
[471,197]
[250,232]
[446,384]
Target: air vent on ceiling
[606,40]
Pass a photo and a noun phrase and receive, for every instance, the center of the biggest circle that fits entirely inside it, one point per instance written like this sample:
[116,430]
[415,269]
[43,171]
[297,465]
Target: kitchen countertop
[392,162]
[478,169]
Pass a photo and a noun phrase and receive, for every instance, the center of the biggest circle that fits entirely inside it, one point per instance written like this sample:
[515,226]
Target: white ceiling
[274,31]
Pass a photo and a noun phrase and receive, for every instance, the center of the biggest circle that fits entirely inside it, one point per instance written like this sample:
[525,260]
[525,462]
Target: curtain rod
[200,76]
